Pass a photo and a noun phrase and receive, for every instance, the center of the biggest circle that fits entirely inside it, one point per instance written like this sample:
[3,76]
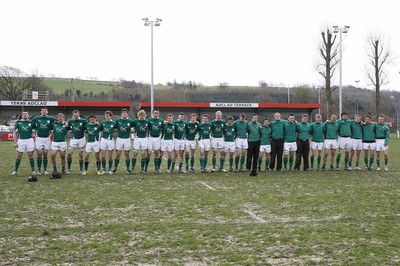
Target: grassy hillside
[59,85]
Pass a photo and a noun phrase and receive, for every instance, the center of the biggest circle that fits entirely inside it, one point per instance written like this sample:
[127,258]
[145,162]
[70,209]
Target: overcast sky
[207,41]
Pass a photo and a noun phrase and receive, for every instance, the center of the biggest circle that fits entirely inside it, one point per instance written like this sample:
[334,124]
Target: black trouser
[276,150]
[252,154]
[303,150]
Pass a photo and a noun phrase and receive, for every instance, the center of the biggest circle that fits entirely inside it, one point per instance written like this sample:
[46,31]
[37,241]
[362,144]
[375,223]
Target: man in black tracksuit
[277,140]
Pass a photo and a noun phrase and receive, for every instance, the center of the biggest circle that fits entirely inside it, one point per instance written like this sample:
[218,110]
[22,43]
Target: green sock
[159,162]
[205,162]
[285,161]
[378,163]
[69,163]
[81,165]
[103,163]
[237,162]
[143,163]
[318,161]
[110,163]
[346,161]
[147,162]
[266,164]
[350,163]
[201,163]
[291,162]
[128,164]
[134,159]
[17,163]
[214,162]
[230,163]
[366,161]
[242,159]
[45,162]
[54,168]
[169,164]
[338,160]
[371,161]
[155,163]
[86,166]
[180,166]
[98,165]
[192,162]
[357,164]
[32,163]
[312,161]
[386,162]
[39,164]
[259,163]
[221,162]
[172,166]
[187,160]
[116,163]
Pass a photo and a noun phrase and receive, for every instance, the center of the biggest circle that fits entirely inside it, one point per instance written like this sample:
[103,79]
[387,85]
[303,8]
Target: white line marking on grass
[206,185]
[254,216]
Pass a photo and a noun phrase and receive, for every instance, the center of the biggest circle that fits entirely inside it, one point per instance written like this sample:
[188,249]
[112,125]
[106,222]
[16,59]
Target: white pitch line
[206,185]
[254,216]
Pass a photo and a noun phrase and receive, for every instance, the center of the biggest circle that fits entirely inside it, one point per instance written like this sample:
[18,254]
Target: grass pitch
[286,218]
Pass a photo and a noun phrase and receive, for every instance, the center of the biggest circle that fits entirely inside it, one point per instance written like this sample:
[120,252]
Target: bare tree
[12,83]
[379,55]
[328,53]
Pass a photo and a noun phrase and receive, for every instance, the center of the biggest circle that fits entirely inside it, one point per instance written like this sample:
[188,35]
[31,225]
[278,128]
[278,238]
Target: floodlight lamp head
[145,19]
[147,23]
[158,19]
[335,29]
[157,24]
[348,27]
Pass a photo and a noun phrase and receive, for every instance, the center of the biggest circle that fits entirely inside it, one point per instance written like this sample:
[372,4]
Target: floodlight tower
[336,29]
[357,81]
[156,22]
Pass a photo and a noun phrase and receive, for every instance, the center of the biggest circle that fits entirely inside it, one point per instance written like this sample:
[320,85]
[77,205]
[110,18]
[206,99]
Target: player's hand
[16,145]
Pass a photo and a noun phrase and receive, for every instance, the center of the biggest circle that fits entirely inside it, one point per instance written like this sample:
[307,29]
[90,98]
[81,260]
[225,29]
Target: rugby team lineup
[255,144]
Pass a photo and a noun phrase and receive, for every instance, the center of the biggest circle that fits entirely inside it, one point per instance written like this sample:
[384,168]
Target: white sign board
[29,103]
[234,105]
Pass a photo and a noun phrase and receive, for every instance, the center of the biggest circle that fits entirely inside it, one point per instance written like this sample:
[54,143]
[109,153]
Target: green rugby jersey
[93,132]
[141,128]
[253,128]
[289,130]
[180,128]
[168,130]
[356,130]
[240,129]
[191,130]
[59,131]
[77,127]
[217,128]
[124,127]
[368,133]
[108,128]
[277,129]
[331,130]
[317,131]
[43,125]
[265,135]
[24,128]
[229,133]
[204,131]
[382,132]
[303,130]
[344,127]
[155,126]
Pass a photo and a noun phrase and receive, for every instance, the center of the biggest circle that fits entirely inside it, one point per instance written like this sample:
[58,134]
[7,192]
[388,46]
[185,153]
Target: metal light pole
[336,29]
[288,95]
[157,23]
[356,111]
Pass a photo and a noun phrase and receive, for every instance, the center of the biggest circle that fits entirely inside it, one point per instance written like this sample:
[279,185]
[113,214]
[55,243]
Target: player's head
[206,118]
[343,115]
[76,114]
[242,117]
[291,117]
[124,113]
[218,115]
[193,117]
[304,118]
[60,117]
[277,116]
[92,119]
[357,118]
[333,118]
[141,114]
[254,118]
[44,111]
[156,113]
[229,120]
[25,115]
[368,119]
[266,121]
[381,119]
[318,118]
[170,118]
[181,116]
[108,115]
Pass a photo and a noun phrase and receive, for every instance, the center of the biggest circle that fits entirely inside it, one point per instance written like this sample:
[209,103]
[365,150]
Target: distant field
[59,85]
[275,218]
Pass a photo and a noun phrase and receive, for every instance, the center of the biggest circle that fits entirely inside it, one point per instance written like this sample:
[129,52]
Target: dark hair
[265,119]
[368,116]
[124,110]
[304,115]
[92,116]
[108,112]
[344,113]
[243,115]
[229,118]
[76,111]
